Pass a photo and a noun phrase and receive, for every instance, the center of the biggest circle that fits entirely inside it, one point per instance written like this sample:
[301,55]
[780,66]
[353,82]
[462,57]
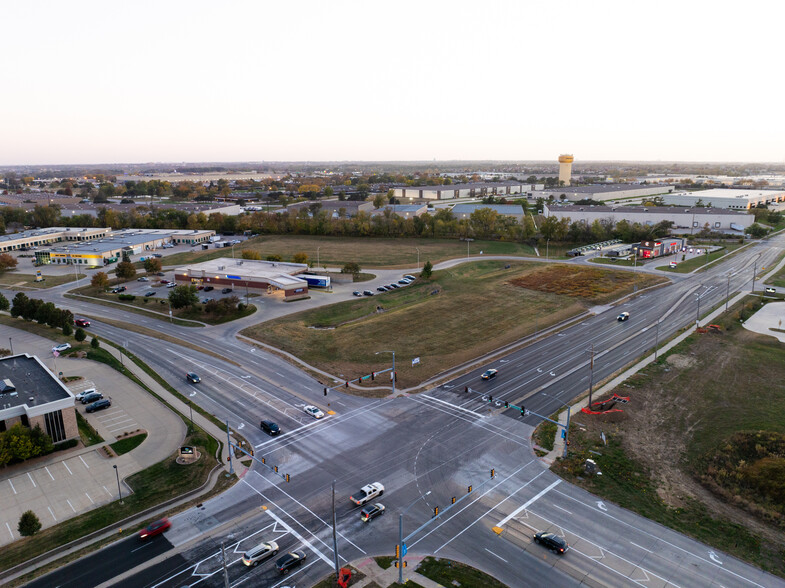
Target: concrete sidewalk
[376,576]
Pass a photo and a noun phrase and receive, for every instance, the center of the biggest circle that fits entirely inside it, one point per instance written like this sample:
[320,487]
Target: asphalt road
[427,449]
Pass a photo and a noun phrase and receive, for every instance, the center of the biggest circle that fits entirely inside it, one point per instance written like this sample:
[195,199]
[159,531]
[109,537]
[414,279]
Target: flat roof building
[603,192]
[453,191]
[460,211]
[32,395]
[730,198]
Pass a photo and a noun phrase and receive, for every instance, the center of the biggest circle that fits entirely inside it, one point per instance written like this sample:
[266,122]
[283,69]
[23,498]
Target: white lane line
[499,556]
[10,532]
[71,505]
[278,519]
[51,513]
[50,473]
[12,485]
[639,547]
[88,496]
[107,491]
[69,469]
[451,405]
[31,479]
[84,462]
[565,510]
[528,503]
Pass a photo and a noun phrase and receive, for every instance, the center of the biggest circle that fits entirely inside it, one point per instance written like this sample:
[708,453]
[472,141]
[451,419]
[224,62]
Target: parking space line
[69,469]
[71,505]
[51,513]
[107,491]
[12,486]
[31,479]
[84,462]
[88,496]
[50,473]
[10,532]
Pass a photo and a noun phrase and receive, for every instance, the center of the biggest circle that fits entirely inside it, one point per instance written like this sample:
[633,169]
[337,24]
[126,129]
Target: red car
[155,528]
[82,323]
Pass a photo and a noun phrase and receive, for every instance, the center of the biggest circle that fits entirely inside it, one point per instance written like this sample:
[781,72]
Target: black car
[193,378]
[393,286]
[226,290]
[208,288]
[270,428]
[372,511]
[118,289]
[382,289]
[92,397]
[367,293]
[286,563]
[552,542]
[148,294]
[99,404]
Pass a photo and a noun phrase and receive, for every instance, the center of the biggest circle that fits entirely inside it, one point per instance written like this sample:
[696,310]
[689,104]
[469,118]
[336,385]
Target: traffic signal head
[397,551]
[276,469]
[465,388]
[325,391]
[347,383]
[523,411]
[493,473]
[469,491]
[373,375]
[287,477]
[435,511]
[490,398]
[453,499]
[506,404]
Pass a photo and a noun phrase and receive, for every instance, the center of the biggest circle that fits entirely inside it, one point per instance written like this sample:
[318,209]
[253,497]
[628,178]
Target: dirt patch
[680,361]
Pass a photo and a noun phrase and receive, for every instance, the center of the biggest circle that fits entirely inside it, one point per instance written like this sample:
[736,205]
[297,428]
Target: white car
[60,348]
[313,411]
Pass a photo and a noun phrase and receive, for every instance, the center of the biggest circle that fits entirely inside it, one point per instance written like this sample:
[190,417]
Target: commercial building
[404,210]
[476,190]
[730,198]
[334,208]
[658,248]
[44,237]
[247,276]
[690,220]
[515,211]
[603,192]
[32,395]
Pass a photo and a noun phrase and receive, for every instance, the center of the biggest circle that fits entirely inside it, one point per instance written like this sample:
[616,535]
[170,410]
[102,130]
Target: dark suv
[226,291]
[552,542]
[289,561]
[270,428]
[208,288]
[99,404]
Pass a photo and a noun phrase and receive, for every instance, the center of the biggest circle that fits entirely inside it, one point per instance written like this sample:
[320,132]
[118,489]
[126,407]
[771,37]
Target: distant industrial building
[515,211]
[730,198]
[32,395]
[403,210]
[334,208]
[247,276]
[603,192]
[683,219]
[476,190]
[43,237]
[565,169]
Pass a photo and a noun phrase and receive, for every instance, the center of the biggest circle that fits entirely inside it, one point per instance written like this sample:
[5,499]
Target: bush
[80,335]
[95,343]
[127,297]
[28,524]
[67,330]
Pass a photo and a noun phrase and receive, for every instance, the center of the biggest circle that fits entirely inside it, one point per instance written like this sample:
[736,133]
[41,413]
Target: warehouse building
[690,220]
[31,238]
[403,210]
[32,395]
[603,192]
[730,198]
[476,190]
[515,211]
[247,276]
[334,208]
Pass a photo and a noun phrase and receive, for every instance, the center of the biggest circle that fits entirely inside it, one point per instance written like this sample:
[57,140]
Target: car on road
[288,562]
[99,405]
[149,293]
[371,512]
[62,347]
[410,277]
[367,493]
[143,279]
[313,411]
[91,397]
[270,428]
[208,288]
[226,291]
[260,553]
[193,377]
[155,528]
[357,293]
[118,289]
[771,290]
[623,317]
[489,374]
[381,289]
[367,293]
[552,542]
[82,323]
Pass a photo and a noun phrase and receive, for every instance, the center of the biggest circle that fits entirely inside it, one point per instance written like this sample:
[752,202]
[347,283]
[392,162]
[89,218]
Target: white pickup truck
[367,493]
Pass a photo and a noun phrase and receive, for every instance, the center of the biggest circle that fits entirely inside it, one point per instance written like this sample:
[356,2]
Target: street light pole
[335,538]
[698,313]
[418,257]
[656,339]
[468,242]
[119,492]
[567,428]
[547,246]
[754,275]
[727,294]
[318,265]
[591,374]
[400,537]
[12,345]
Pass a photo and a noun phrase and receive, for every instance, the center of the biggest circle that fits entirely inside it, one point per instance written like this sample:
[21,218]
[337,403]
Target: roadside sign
[403,550]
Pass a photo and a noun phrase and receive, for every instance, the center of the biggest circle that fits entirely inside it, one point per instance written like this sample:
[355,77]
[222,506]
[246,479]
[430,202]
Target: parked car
[84,393]
[393,286]
[260,553]
[226,291]
[164,281]
[158,255]
[206,300]
[82,323]
[160,274]
[288,562]
[410,277]
[371,512]
[148,294]
[91,397]
[367,493]
[382,289]
[155,528]
[771,290]
[313,411]
[168,246]
[270,428]
[357,293]
[489,374]
[193,378]
[143,279]
[367,293]
[99,404]
[208,288]
[62,347]
[171,285]
[552,542]
[404,282]
[623,316]
[118,289]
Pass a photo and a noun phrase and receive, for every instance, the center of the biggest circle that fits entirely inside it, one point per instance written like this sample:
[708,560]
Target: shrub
[28,524]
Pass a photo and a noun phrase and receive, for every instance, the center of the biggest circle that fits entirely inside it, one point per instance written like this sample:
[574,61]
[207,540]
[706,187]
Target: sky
[174,81]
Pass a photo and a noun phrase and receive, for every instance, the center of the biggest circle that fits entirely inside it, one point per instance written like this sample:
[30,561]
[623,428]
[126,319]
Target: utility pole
[223,562]
[727,294]
[229,447]
[754,275]
[656,339]
[591,374]
[335,538]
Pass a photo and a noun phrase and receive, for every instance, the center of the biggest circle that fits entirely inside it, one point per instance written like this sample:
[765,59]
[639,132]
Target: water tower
[565,169]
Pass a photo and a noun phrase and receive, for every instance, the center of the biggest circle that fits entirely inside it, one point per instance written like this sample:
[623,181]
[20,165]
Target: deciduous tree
[7,262]
[29,524]
[99,280]
[125,270]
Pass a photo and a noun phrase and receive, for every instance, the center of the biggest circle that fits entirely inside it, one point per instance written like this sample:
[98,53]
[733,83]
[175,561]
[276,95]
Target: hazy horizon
[181,82]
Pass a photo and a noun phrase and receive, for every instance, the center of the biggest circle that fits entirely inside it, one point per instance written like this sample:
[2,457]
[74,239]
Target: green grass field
[428,319]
